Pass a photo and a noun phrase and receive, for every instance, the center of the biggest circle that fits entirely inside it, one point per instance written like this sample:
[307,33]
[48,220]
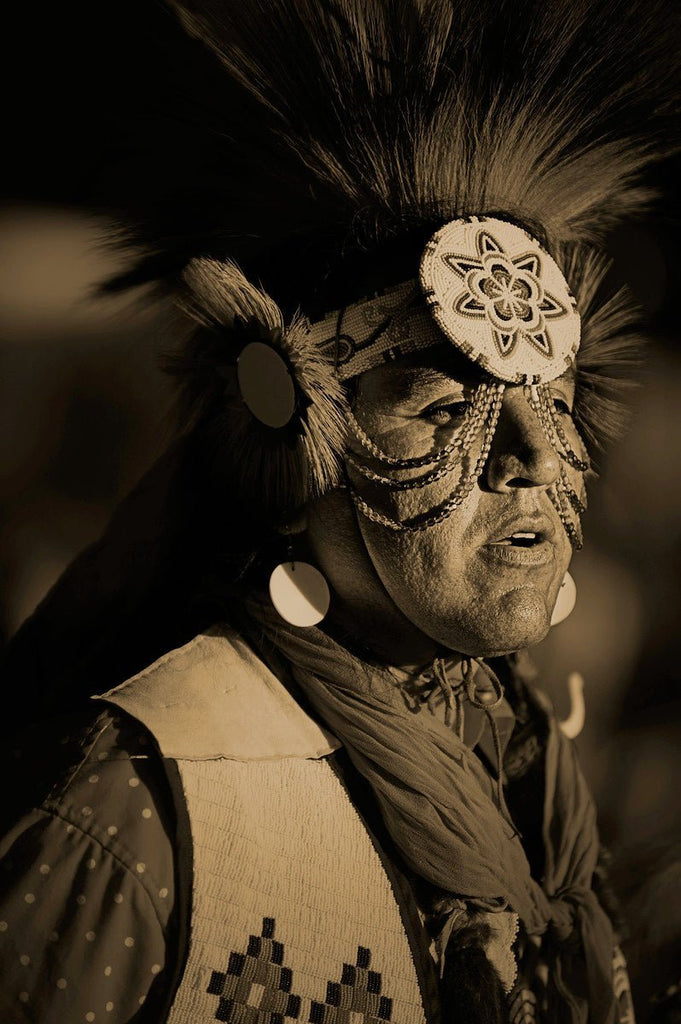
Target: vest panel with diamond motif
[295,916]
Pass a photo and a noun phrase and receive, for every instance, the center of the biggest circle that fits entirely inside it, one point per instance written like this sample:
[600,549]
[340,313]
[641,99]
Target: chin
[521,619]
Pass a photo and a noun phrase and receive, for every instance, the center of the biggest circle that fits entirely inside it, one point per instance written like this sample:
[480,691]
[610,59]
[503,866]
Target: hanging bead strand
[416,461]
[539,398]
[569,507]
[470,428]
[437,515]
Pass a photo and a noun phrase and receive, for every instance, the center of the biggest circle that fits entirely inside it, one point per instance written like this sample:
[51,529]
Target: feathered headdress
[302,157]
[343,135]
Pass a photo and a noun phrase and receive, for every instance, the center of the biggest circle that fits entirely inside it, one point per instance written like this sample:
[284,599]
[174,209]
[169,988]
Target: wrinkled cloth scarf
[437,802]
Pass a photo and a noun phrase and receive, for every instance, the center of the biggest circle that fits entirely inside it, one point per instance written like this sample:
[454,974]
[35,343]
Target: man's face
[483,581]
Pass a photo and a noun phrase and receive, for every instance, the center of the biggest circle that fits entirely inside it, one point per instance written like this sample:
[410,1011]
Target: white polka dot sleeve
[86,891]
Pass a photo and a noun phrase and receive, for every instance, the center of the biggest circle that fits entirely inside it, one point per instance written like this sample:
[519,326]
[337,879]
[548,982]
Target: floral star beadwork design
[508,292]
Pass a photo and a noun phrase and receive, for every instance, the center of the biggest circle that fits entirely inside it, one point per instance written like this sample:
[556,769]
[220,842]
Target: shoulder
[216,698]
[87,873]
[98,785]
[117,794]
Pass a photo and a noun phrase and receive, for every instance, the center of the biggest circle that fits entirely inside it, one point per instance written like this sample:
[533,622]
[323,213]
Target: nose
[521,454]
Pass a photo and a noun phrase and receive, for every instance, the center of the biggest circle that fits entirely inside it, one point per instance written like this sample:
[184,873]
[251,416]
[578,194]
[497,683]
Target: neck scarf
[437,802]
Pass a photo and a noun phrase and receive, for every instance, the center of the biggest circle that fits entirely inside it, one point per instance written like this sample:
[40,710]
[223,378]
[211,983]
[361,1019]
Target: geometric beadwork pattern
[374,331]
[256,987]
[356,998]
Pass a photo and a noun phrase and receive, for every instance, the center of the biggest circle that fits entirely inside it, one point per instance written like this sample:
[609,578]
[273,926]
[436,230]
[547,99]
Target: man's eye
[443,415]
[561,405]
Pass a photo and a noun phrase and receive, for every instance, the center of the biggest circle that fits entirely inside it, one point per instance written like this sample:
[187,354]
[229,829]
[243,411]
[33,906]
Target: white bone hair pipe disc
[299,593]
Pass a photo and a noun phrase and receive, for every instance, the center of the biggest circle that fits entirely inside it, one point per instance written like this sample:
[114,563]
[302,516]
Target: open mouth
[521,549]
[521,539]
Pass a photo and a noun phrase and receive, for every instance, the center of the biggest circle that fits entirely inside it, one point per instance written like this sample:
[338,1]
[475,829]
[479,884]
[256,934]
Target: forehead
[424,375]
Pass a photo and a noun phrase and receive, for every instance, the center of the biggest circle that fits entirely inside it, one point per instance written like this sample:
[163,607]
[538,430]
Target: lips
[523,530]
[522,540]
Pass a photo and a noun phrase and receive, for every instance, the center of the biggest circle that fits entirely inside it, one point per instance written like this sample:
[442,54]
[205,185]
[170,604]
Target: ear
[294,524]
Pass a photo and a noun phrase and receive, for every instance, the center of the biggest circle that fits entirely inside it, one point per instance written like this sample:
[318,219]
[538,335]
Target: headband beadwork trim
[489,288]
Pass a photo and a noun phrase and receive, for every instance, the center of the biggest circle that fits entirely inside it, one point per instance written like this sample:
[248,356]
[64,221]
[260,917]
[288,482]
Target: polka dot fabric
[86,886]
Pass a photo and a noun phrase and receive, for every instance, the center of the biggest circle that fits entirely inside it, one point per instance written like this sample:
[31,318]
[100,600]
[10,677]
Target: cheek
[429,574]
[432,488]
[440,582]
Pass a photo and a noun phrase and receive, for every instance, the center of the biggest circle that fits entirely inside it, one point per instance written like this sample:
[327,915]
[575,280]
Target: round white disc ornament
[566,600]
[300,593]
[265,384]
[501,299]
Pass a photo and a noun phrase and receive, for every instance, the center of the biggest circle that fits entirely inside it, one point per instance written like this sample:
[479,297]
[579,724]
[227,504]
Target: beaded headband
[489,288]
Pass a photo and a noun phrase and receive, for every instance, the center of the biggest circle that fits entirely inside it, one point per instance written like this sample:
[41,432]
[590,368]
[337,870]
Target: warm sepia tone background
[83,407]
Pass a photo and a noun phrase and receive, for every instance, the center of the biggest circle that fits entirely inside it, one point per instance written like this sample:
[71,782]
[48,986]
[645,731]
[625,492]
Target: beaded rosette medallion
[501,299]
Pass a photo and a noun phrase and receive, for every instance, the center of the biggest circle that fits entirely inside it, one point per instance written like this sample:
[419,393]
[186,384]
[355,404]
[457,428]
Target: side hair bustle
[274,472]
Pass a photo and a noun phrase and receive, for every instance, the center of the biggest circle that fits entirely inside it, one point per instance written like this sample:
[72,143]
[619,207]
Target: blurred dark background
[84,411]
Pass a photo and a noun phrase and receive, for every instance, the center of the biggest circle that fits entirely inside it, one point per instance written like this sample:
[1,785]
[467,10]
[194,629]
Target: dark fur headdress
[344,132]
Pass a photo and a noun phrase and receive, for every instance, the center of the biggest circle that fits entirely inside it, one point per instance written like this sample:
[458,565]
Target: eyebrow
[417,383]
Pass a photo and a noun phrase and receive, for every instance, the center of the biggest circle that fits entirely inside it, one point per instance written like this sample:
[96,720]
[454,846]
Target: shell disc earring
[298,590]
[565,602]
[300,593]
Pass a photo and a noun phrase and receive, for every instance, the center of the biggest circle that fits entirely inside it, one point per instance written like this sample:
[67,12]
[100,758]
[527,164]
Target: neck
[381,638]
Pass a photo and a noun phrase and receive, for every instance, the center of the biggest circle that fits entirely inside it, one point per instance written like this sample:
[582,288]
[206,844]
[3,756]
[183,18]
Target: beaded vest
[296,913]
